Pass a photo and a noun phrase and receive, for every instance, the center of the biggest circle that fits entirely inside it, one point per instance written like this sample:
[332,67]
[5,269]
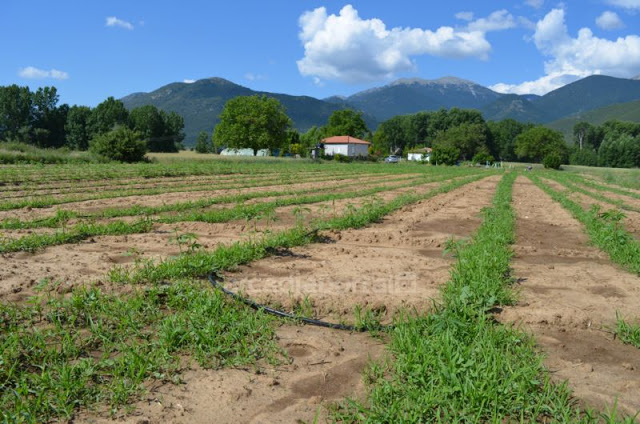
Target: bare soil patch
[325,366]
[569,295]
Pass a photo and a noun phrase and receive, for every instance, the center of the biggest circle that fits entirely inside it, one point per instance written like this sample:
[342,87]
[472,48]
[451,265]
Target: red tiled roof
[344,139]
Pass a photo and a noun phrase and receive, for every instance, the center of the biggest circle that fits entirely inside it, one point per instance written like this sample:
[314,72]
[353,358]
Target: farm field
[481,291]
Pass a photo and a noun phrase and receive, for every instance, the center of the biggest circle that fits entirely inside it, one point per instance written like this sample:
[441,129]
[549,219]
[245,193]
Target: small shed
[243,152]
[420,155]
[345,145]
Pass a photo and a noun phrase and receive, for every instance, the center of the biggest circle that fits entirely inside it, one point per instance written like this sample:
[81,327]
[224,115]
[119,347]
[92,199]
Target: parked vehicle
[391,159]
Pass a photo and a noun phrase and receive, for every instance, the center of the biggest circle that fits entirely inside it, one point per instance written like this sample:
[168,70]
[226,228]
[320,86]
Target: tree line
[260,122]
[613,144]
[36,118]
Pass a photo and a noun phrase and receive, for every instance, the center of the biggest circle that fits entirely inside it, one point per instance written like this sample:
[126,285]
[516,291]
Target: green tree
[106,116]
[173,131]
[346,122]
[537,142]
[587,157]
[151,124]
[121,144]
[469,138]
[619,150]
[16,112]
[203,143]
[391,135]
[504,133]
[77,127]
[580,133]
[255,122]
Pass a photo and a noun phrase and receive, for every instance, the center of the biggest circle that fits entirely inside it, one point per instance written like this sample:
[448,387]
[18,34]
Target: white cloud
[497,21]
[536,4]
[254,77]
[348,48]
[112,21]
[626,4]
[609,20]
[31,72]
[573,58]
[464,16]
[188,81]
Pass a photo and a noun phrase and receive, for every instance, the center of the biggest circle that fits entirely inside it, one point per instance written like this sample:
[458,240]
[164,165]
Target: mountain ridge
[201,102]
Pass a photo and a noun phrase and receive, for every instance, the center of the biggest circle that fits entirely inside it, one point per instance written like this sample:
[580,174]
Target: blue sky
[94,49]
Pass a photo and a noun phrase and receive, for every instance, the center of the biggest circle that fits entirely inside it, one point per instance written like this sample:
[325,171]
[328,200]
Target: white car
[391,159]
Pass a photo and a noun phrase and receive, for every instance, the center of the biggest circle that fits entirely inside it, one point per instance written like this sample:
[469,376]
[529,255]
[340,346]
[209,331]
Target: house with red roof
[345,145]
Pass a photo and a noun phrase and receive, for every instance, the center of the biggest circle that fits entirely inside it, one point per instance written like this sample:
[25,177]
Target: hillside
[515,107]
[201,102]
[587,94]
[413,95]
[629,111]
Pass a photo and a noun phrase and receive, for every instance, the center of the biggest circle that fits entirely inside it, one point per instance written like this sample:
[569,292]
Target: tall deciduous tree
[468,138]
[106,116]
[255,122]
[346,122]
[77,127]
[203,143]
[16,111]
[173,130]
[538,142]
[151,123]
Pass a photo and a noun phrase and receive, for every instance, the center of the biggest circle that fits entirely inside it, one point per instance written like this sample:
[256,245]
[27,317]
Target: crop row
[60,354]
[59,189]
[63,216]
[457,364]
[603,228]
[572,183]
[82,230]
[20,174]
[43,202]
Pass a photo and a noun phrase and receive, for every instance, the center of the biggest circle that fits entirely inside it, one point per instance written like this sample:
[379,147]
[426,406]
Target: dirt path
[570,293]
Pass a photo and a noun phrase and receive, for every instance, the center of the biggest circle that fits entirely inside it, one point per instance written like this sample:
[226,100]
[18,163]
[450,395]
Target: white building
[420,155]
[345,145]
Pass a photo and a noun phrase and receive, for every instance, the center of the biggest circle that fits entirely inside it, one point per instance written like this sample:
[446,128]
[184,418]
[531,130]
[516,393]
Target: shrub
[121,144]
[482,158]
[553,160]
[445,155]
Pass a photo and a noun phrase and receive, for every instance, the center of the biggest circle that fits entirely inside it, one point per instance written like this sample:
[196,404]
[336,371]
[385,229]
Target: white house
[420,155]
[345,145]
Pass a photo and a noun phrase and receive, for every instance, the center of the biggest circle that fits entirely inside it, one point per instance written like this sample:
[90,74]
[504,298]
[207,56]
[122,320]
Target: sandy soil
[325,366]
[402,264]
[91,260]
[569,295]
[392,265]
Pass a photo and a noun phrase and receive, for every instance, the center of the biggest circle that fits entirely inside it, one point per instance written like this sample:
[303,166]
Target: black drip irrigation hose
[258,307]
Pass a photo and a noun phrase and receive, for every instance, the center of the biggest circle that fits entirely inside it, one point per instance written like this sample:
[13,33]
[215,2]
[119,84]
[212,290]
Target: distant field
[106,312]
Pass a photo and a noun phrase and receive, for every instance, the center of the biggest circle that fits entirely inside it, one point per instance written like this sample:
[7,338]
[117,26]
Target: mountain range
[201,102]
